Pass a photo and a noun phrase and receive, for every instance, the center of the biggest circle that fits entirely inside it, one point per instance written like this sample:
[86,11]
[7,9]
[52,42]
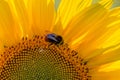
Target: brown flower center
[37,59]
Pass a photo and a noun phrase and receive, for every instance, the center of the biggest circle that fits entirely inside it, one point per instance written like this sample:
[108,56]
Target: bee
[54,38]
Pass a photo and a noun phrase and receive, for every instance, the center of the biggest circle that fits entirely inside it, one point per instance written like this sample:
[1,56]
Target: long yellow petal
[10,31]
[100,33]
[115,11]
[112,75]
[69,8]
[43,15]
[106,3]
[110,66]
[87,20]
[21,14]
[108,56]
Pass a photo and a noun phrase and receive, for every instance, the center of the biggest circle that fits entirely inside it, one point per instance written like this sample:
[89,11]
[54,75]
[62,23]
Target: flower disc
[40,60]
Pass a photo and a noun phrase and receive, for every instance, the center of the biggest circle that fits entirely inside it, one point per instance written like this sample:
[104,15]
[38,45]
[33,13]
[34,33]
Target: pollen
[36,59]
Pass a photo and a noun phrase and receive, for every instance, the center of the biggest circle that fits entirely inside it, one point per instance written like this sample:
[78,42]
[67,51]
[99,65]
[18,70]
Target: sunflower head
[58,40]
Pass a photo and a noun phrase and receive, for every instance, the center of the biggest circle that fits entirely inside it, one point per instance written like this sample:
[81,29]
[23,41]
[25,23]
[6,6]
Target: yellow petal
[10,32]
[115,11]
[69,8]
[58,28]
[112,75]
[100,32]
[87,20]
[112,39]
[20,13]
[110,55]
[110,66]
[114,29]
[43,15]
[106,3]
[108,71]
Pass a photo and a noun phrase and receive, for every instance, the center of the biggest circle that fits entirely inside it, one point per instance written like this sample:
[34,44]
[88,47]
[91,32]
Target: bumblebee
[54,39]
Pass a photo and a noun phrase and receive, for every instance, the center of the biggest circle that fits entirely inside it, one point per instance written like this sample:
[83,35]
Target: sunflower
[59,40]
